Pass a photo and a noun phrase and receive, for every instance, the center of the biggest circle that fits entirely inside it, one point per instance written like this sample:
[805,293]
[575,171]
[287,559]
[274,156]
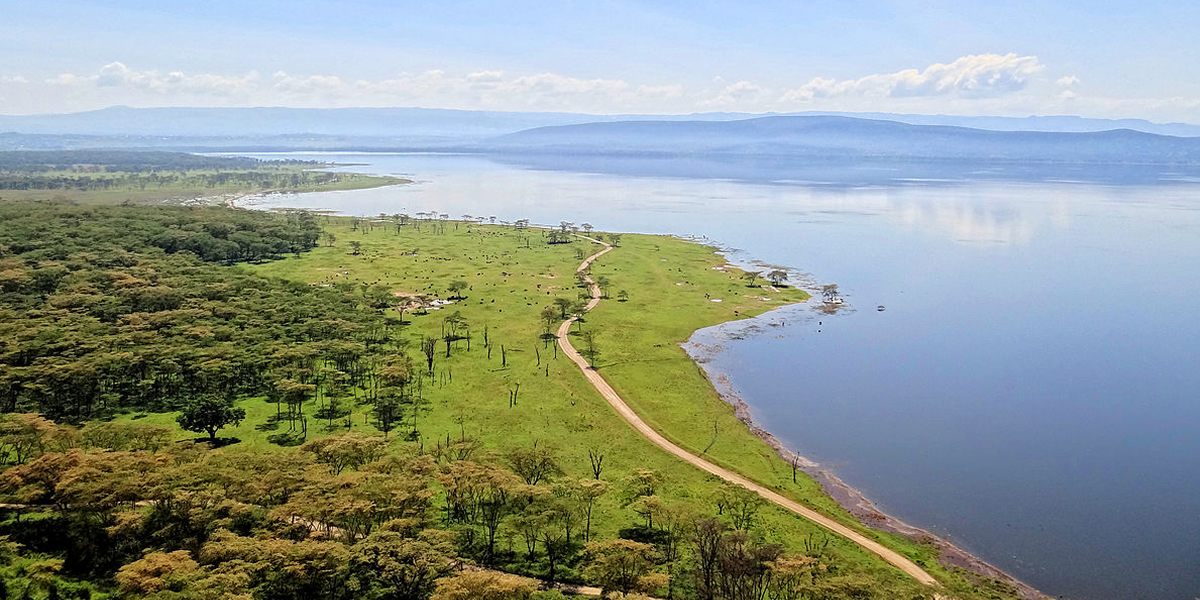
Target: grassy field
[512,275]
[184,191]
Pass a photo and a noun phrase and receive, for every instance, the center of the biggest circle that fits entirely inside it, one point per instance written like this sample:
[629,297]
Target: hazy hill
[832,136]
[400,128]
[250,122]
[1063,123]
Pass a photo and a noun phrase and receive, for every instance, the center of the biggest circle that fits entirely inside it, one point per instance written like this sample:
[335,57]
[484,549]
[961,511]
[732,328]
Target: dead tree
[597,460]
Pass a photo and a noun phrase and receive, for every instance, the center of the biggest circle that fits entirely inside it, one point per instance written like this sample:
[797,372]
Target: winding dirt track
[614,400]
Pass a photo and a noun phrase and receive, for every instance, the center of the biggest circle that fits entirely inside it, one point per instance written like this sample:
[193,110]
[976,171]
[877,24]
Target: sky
[1092,58]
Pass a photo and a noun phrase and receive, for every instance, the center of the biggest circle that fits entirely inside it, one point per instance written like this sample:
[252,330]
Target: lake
[1031,390]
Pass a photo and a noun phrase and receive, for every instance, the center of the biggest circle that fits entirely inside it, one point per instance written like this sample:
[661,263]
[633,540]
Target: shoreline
[852,500]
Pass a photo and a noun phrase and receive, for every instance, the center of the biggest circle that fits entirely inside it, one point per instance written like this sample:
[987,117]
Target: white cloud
[662,92]
[978,84]
[282,82]
[114,74]
[1066,87]
[493,88]
[1067,82]
[486,77]
[69,79]
[478,89]
[740,93]
[976,75]
[118,76]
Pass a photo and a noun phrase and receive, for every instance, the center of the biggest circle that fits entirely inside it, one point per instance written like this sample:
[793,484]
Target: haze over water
[1030,391]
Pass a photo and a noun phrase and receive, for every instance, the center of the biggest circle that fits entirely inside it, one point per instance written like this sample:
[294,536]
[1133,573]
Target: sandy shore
[949,555]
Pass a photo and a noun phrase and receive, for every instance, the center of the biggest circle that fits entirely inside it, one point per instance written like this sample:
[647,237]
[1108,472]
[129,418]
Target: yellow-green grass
[513,275]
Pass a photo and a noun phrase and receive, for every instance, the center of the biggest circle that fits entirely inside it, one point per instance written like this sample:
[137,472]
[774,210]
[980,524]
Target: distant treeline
[107,161]
[257,179]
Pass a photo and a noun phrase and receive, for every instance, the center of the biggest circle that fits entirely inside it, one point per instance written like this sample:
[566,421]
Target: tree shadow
[327,412]
[220,442]
[271,424]
[286,438]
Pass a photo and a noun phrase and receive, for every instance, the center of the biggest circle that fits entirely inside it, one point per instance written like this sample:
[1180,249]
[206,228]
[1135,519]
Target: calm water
[1032,390]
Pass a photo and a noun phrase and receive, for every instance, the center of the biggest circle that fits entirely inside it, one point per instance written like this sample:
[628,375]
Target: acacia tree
[602,283]
[558,514]
[706,538]
[379,297]
[564,305]
[394,378]
[744,566]
[493,501]
[533,464]
[590,351]
[346,450]
[777,276]
[473,585]
[209,413]
[355,247]
[589,491]
[792,577]
[740,505]
[550,316]
[388,565]
[155,572]
[456,288]
[620,565]
[643,482]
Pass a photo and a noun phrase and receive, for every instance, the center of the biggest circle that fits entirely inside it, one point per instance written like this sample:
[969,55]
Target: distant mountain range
[827,137]
[411,123]
[824,135]
[1035,123]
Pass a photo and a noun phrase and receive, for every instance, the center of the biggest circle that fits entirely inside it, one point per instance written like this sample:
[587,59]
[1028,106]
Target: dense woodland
[105,309]
[124,511]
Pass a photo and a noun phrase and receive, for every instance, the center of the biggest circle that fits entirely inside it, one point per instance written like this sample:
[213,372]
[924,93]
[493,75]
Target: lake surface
[1032,390]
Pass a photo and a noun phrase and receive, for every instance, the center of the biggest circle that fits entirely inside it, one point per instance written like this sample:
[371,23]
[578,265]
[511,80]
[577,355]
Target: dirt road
[614,400]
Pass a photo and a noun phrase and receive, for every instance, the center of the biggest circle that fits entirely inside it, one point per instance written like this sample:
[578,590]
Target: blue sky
[1112,59]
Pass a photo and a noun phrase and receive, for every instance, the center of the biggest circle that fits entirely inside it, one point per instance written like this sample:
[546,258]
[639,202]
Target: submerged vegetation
[382,413]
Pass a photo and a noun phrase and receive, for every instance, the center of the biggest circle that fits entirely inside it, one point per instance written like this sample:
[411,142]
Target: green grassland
[512,275]
[183,186]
